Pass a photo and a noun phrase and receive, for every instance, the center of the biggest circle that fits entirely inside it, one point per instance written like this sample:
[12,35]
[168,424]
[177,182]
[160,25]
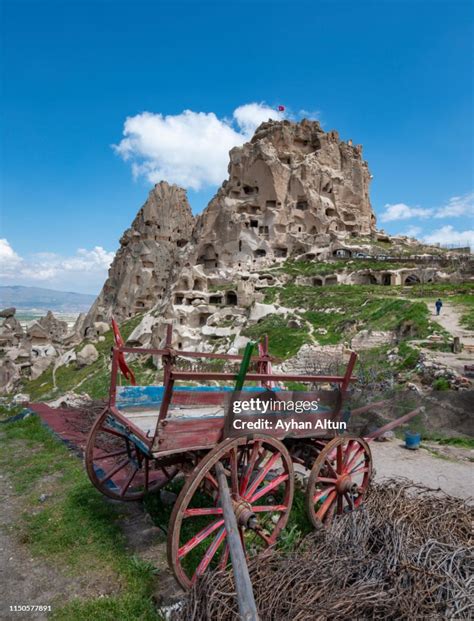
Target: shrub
[409,355]
[441,384]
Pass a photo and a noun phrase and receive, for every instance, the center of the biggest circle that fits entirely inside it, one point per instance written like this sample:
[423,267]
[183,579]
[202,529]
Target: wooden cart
[149,435]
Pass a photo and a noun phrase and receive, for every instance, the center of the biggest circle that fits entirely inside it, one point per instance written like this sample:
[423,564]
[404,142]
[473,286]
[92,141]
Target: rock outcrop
[294,192]
[27,353]
[292,189]
[87,355]
[148,256]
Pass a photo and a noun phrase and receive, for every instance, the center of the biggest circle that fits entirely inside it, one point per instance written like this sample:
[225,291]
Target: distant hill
[37,298]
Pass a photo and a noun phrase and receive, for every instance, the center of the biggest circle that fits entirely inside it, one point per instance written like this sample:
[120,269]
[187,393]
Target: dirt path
[449,319]
[25,580]
[451,470]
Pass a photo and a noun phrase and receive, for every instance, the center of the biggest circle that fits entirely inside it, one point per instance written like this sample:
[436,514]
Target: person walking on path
[438,305]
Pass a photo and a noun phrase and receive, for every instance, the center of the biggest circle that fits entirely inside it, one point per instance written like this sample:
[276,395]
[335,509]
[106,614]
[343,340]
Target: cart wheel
[260,475]
[339,479]
[118,468]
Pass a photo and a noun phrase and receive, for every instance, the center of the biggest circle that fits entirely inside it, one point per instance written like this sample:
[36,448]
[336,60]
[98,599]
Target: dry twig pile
[408,554]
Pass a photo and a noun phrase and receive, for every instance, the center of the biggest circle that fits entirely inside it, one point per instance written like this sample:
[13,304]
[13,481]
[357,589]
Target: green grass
[337,313]
[419,424]
[75,528]
[322,268]
[357,307]
[410,356]
[441,383]
[466,302]
[9,411]
[284,342]
[467,443]
[456,292]
[127,607]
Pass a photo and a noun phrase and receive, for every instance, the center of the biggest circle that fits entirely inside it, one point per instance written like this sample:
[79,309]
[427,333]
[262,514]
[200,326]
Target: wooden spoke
[234,473]
[113,471]
[118,467]
[109,455]
[245,480]
[354,457]
[326,504]
[261,475]
[268,540]
[212,480]
[322,493]
[326,480]
[189,554]
[339,479]
[275,483]
[271,508]
[224,557]
[210,552]
[203,511]
[197,539]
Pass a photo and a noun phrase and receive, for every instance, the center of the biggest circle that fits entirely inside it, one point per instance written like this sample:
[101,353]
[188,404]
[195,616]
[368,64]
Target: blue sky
[395,76]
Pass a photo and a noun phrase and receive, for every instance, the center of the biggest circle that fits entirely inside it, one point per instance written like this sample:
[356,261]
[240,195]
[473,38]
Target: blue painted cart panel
[152,396]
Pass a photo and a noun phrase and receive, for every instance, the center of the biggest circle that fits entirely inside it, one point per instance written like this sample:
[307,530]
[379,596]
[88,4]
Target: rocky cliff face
[149,254]
[291,189]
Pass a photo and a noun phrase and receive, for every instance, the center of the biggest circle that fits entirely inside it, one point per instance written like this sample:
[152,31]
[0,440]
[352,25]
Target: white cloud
[312,115]
[84,271]
[400,211]
[457,206]
[447,235]
[412,231]
[9,260]
[191,148]
[249,116]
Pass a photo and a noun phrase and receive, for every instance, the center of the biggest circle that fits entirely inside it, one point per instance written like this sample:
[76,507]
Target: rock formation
[148,256]
[293,192]
[292,189]
[27,353]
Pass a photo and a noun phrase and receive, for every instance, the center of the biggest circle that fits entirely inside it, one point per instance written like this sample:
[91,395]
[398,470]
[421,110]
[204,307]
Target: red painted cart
[148,436]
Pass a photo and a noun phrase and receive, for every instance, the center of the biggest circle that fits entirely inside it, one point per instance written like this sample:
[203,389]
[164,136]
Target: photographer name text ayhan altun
[261,424]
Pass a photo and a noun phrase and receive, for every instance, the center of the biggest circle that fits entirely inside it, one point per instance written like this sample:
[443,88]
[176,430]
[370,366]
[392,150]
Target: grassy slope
[336,310]
[75,528]
[466,301]
[350,308]
[330,312]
